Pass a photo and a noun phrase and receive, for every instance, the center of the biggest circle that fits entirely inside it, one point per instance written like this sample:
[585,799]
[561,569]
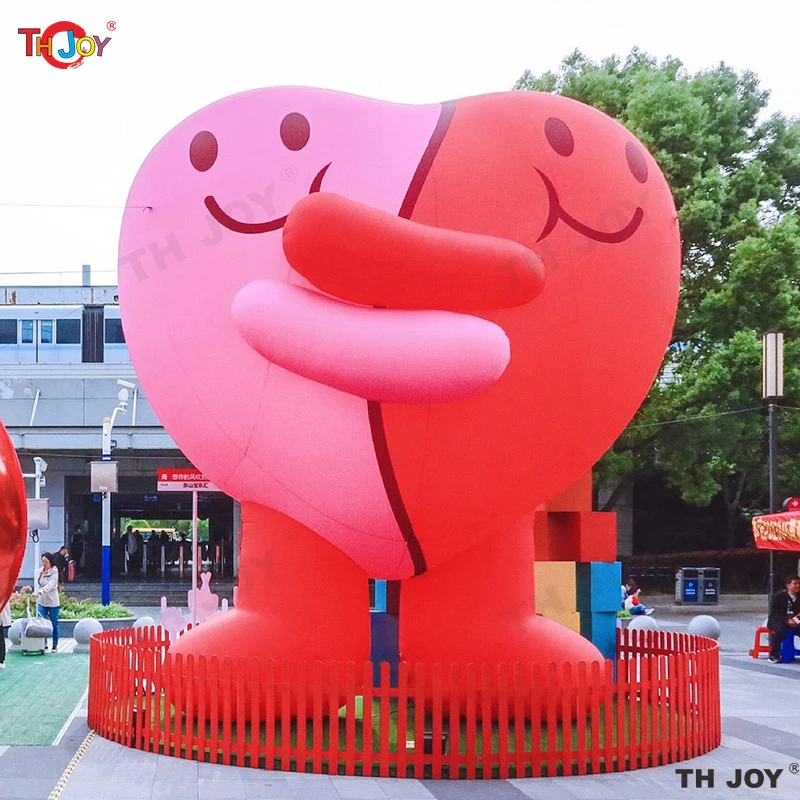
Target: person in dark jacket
[61,560]
[784,616]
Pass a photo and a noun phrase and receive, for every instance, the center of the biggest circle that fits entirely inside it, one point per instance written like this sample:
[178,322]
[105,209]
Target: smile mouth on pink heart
[257,227]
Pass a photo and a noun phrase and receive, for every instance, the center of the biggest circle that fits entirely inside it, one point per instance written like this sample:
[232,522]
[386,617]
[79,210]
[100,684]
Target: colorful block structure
[577,575]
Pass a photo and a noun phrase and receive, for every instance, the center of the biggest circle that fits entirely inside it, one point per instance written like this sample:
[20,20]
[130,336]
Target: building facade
[62,353]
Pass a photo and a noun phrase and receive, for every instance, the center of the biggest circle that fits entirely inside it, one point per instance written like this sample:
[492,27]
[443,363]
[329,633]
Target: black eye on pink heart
[560,138]
[295,131]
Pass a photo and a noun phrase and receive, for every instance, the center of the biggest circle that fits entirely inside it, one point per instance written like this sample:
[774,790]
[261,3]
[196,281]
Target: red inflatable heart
[13,516]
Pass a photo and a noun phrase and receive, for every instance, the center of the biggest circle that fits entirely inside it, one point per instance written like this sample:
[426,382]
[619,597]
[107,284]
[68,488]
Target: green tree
[735,177]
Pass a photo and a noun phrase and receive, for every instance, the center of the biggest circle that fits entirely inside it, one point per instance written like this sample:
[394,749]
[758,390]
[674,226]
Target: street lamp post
[771,393]
[39,468]
[108,426]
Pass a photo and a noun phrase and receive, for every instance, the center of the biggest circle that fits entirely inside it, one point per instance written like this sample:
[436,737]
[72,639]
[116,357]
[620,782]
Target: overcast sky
[76,137]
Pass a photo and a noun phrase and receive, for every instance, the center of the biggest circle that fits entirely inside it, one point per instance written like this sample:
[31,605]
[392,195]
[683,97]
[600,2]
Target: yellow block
[556,587]
[569,619]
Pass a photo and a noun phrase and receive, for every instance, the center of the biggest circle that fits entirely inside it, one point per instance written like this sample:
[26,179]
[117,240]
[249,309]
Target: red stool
[758,646]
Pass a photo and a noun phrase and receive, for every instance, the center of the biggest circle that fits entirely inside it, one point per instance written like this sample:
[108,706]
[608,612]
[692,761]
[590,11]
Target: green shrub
[71,607]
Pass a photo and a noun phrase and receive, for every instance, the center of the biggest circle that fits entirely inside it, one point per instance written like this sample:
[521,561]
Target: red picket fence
[658,703]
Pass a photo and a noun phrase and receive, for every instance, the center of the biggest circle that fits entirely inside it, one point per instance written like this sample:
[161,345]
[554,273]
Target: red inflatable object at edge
[13,516]
[431,320]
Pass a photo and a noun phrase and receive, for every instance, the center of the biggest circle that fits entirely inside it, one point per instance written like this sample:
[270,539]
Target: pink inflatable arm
[389,356]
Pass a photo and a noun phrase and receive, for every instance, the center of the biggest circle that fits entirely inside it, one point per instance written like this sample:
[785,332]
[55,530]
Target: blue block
[598,587]
[600,628]
[384,644]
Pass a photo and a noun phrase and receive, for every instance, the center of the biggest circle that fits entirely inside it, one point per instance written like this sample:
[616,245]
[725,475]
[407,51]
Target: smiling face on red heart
[578,189]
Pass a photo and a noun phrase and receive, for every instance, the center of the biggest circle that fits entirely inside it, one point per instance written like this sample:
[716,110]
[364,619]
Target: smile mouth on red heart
[558,213]
[257,227]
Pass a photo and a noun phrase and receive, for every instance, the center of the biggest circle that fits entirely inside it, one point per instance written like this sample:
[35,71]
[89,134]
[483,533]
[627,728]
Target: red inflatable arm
[13,517]
[359,253]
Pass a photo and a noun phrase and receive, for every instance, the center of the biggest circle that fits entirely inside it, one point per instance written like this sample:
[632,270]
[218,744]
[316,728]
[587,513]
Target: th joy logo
[76,44]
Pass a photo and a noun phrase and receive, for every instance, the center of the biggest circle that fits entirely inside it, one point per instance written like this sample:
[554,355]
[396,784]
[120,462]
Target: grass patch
[37,695]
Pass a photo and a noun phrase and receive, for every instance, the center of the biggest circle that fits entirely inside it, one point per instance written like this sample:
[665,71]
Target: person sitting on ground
[632,602]
[784,616]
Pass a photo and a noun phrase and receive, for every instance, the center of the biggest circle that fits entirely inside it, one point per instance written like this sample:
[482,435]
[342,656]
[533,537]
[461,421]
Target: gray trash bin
[697,586]
[709,586]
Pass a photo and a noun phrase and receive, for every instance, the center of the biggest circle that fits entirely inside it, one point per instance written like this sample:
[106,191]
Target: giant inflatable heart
[13,516]
[392,331]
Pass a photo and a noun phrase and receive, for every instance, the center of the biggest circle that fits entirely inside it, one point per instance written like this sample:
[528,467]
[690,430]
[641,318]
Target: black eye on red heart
[636,163]
[295,131]
[203,151]
[559,136]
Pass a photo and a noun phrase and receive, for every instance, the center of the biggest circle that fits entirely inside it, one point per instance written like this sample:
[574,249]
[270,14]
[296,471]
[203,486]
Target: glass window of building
[114,333]
[68,331]
[8,331]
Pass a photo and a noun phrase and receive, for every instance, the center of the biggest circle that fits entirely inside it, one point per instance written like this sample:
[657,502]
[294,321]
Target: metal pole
[37,493]
[195,554]
[106,534]
[773,441]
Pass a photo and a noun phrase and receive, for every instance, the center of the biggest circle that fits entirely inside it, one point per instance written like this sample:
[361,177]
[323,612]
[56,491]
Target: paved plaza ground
[760,731]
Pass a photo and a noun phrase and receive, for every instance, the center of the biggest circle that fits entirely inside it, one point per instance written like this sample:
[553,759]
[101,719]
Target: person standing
[784,616]
[77,548]
[61,560]
[5,624]
[46,593]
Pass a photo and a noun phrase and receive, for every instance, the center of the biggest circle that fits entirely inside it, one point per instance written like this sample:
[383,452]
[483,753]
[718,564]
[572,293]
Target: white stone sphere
[704,625]
[84,628]
[15,632]
[144,622]
[642,623]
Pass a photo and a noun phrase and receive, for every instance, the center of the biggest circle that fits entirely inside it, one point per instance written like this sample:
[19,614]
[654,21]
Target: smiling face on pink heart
[259,431]
[398,435]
